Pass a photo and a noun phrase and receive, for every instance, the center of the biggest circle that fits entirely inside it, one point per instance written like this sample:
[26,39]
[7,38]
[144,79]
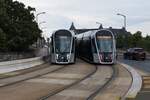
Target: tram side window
[93,46]
[73,44]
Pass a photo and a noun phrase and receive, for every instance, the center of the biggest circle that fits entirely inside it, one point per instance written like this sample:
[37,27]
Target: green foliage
[18,25]
[135,40]
[123,41]
[2,40]
[146,43]
[120,41]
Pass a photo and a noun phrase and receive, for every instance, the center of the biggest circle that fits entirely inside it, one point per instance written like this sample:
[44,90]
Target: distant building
[117,32]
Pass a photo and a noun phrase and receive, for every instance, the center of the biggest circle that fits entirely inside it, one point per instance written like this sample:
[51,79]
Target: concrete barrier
[9,66]
[136,83]
[19,61]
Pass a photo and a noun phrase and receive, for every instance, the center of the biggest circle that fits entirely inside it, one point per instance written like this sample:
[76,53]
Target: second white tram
[97,46]
[63,47]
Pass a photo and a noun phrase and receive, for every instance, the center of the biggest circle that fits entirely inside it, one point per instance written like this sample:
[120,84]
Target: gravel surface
[118,87]
[11,80]
[85,88]
[23,71]
[36,88]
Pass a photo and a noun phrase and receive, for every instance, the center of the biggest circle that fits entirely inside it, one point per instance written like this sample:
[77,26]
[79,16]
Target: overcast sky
[85,13]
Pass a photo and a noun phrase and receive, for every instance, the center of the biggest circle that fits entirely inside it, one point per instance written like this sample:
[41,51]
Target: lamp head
[43,12]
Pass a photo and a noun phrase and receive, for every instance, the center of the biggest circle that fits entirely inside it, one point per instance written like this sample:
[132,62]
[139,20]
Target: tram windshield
[63,44]
[105,43]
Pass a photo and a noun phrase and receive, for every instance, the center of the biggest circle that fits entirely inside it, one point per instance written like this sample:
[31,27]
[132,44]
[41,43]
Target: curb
[19,61]
[136,83]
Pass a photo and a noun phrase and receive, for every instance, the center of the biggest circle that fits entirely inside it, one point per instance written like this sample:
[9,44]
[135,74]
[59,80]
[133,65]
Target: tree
[120,41]
[147,37]
[123,40]
[136,39]
[19,26]
[2,40]
[147,43]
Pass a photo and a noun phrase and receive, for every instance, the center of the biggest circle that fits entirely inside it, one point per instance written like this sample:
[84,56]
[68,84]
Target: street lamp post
[48,43]
[42,22]
[125,44]
[98,23]
[100,27]
[125,20]
[42,28]
[38,15]
[38,20]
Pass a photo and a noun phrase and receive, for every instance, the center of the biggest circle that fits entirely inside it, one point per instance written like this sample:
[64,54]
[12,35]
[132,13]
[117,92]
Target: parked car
[135,54]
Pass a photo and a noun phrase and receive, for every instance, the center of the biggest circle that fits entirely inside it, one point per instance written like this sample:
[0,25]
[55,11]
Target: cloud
[85,13]
[144,27]
[133,20]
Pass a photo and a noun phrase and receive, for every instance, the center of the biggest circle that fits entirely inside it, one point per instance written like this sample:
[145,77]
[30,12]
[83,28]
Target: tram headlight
[111,56]
[68,56]
[101,56]
[56,56]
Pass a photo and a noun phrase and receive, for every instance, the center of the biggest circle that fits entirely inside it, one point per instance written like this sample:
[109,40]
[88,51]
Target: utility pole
[125,25]
[37,20]
[37,15]
[125,19]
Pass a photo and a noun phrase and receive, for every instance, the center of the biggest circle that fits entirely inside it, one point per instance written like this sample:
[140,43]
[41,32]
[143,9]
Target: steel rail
[38,75]
[113,76]
[68,86]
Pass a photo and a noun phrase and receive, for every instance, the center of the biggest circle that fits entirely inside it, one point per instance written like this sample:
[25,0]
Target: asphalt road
[141,65]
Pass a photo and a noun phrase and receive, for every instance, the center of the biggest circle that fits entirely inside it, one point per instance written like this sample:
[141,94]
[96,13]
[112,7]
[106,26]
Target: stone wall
[15,56]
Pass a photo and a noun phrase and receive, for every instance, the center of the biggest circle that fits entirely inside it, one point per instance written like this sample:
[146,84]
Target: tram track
[23,71]
[115,73]
[34,88]
[87,88]
[119,86]
[29,74]
[56,92]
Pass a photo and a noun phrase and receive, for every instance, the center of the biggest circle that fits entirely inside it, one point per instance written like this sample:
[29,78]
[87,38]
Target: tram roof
[91,33]
[70,31]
